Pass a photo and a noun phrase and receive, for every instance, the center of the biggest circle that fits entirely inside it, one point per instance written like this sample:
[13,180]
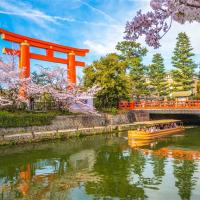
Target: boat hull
[142,135]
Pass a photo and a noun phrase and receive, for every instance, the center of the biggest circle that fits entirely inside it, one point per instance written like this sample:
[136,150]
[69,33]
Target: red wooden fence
[153,105]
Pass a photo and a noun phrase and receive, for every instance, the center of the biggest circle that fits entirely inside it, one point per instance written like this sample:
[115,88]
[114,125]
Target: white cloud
[98,48]
[25,10]
[103,41]
[107,40]
[192,30]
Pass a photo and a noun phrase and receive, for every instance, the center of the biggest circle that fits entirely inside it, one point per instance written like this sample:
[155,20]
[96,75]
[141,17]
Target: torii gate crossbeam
[25,55]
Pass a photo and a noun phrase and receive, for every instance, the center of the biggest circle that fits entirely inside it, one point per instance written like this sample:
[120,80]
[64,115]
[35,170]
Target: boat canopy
[158,122]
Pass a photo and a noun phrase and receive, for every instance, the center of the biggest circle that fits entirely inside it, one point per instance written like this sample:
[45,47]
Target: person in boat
[160,127]
[174,125]
[157,128]
[144,129]
[151,129]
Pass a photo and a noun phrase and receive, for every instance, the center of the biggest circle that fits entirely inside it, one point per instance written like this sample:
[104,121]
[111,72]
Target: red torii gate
[25,55]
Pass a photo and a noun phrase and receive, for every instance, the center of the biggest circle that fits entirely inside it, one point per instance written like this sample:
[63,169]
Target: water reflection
[102,168]
[185,180]
[83,160]
[114,168]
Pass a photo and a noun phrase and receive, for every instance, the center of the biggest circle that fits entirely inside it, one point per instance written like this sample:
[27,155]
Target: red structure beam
[11,52]
[49,57]
[80,64]
[13,37]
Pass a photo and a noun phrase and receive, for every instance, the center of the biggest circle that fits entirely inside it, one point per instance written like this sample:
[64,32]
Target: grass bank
[16,119]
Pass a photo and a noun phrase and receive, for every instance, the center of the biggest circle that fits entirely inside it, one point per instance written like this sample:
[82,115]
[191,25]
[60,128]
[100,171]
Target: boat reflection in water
[149,147]
[141,143]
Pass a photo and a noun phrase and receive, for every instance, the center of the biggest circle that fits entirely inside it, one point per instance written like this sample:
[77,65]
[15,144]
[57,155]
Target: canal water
[103,167]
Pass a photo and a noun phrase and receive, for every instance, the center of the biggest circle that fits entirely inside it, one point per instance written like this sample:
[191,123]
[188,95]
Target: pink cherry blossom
[70,96]
[156,23]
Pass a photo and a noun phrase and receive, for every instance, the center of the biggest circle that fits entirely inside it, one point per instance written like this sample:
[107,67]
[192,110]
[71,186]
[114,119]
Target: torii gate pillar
[24,65]
[71,68]
[24,60]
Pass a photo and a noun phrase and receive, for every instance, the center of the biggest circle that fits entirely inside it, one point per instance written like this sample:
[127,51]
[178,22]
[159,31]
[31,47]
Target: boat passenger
[157,128]
[152,129]
[149,130]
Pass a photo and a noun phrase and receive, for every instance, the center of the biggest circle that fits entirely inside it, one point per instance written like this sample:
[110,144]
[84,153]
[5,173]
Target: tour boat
[156,129]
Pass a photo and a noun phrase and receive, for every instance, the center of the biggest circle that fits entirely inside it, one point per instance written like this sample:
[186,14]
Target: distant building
[181,94]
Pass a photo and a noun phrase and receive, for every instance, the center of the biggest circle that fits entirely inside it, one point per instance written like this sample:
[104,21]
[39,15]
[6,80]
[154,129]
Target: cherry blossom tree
[70,96]
[9,82]
[56,85]
[156,23]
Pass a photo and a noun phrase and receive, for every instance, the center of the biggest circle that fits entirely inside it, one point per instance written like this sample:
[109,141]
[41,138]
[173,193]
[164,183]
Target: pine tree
[132,53]
[157,75]
[138,79]
[185,66]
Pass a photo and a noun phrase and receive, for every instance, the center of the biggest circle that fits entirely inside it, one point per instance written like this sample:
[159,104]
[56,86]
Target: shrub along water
[24,119]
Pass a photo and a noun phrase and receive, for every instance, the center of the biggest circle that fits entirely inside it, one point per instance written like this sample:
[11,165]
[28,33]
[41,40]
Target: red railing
[126,105]
[190,104]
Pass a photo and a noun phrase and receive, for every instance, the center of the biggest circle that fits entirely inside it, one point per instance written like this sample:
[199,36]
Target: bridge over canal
[163,109]
[171,107]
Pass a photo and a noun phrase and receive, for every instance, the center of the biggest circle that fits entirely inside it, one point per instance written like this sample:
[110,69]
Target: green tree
[157,75]
[132,53]
[185,180]
[39,78]
[110,74]
[182,61]
[46,99]
[197,95]
[198,87]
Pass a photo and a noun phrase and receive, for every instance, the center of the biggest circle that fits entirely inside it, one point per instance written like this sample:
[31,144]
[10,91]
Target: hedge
[24,119]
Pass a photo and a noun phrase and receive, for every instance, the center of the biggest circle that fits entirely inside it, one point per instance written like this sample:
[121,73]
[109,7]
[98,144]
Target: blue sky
[94,24]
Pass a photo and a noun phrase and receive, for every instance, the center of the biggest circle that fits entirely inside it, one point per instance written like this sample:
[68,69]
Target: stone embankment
[72,126]
[30,137]
[79,121]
